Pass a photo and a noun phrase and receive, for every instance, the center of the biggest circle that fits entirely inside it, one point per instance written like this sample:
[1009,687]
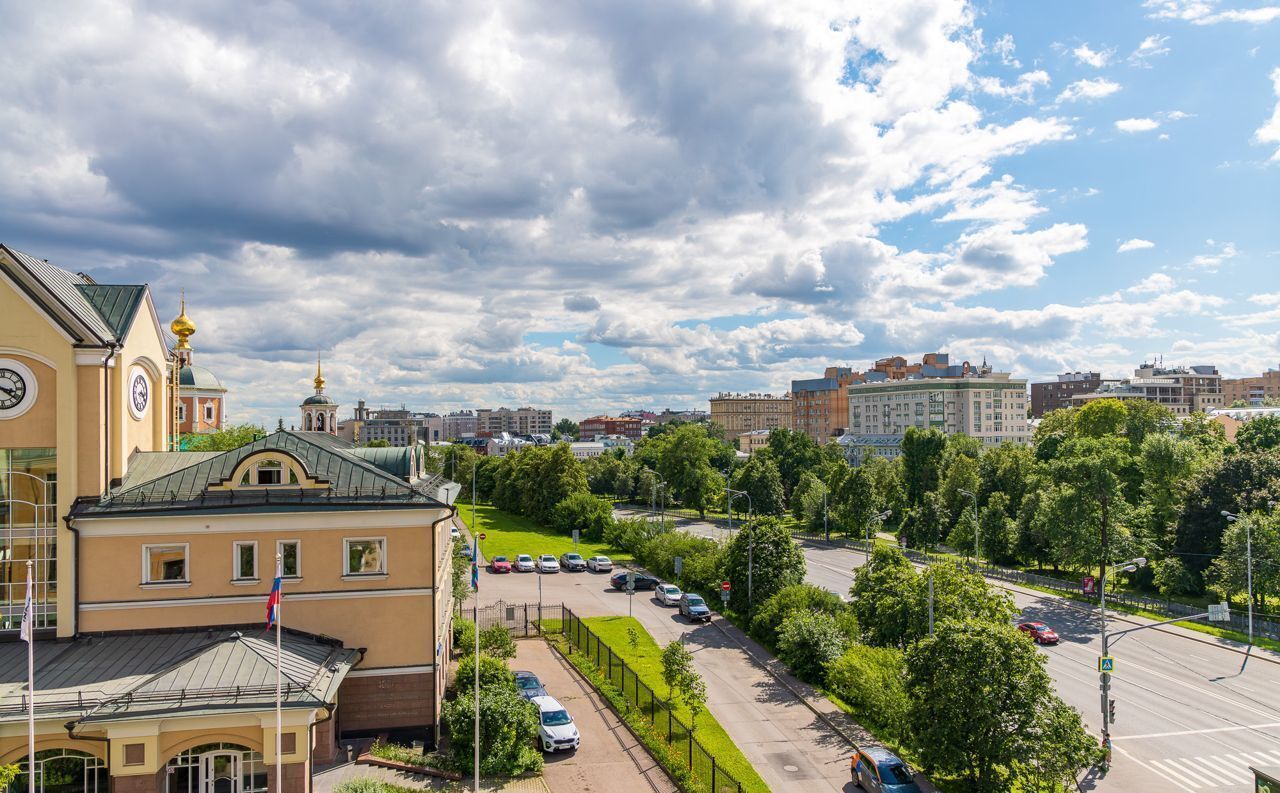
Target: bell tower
[319,412]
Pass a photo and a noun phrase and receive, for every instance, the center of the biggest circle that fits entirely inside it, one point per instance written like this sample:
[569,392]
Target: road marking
[1189,771]
[1174,778]
[1266,726]
[1205,691]
[1225,765]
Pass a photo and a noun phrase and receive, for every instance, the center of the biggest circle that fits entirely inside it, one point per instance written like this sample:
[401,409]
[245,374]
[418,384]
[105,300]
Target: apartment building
[603,426]
[751,442]
[1184,390]
[1057,394]
[820,406]
[739,413]
[990,406]
[1252,391]
[459,424]
[522,421]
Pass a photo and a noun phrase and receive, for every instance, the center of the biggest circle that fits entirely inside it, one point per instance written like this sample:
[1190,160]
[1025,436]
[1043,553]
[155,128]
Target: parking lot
[609,758]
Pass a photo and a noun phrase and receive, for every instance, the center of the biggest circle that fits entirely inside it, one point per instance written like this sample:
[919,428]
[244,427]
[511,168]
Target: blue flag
[475,566]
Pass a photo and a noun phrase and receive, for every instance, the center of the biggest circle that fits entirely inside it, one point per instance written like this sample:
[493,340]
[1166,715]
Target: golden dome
[319,381]
[183,327]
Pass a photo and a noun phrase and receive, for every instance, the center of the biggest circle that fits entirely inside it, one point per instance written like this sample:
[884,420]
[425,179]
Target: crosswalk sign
[1106,664]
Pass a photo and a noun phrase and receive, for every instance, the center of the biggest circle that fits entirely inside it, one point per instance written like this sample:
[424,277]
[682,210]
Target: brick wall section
[144,783]
[325,747]
[297,778]
[382,702]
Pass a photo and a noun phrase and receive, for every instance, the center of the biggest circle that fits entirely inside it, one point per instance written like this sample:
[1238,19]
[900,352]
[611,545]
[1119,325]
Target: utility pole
[1123,567]
[751,541]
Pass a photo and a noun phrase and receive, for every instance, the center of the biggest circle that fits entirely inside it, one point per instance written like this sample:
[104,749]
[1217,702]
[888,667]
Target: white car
[524,563]
[599,564]
[668,594]
[454,533]
[556,730]
[548,564]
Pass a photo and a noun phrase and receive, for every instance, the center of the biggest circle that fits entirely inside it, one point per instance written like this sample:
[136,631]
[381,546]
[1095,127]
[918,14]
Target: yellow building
[740,413]
[153,567]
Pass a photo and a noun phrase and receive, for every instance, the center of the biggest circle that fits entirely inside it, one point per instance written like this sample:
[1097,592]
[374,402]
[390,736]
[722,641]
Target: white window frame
[347,575]
[235,562]
[280,552]
[182,411]
[186,564]
[208,412]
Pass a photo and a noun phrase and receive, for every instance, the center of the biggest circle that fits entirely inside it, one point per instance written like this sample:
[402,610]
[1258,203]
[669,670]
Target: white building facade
[991,407]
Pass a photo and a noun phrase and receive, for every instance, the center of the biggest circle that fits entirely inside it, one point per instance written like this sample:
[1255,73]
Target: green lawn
[508,535]
[646,662]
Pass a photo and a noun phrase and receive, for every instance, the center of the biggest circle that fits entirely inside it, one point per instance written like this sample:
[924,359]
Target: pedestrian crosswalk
[1214,772]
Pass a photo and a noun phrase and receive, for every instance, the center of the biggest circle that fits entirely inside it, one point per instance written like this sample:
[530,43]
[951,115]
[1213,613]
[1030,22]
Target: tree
[608,475]
[809,641]
[958,594]
[926,523]
[764,551]
[852,500]
[8,773]
[460,580]
[1092,471]
[921,462]
[533,480]
[997,532]
[1007,468]
[1227,576]
[1143,419]
[809,481]
[591,516]
[759,479]
[961,538]
[962,475]
[1167,463]
[378,443]
[872,681]
[880,597]
[794,453]
[223,440]
[1260,434]
[685,464]
[508,731]
[1207,434]
[457,462]
[961,445]
[496,641]
[694,694]
[1238,483]
[1171,578]
[1059,748]
[677,665]
[564,428]
[1100,418]
[803,598]
[494,672]
[977,692]
[886,482]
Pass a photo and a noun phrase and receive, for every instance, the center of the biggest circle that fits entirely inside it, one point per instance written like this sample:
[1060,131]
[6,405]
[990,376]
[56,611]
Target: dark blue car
[530,686]
[877,770]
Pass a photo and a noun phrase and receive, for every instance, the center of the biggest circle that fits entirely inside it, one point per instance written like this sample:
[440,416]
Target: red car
[499,564]
[1042,633]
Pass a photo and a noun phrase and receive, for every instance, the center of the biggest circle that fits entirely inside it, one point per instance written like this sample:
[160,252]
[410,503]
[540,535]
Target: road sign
[482,536]
[1219,612]
[631,581]
[679,565]
[575,538]
[724,586]
[1104,679]
[724,595]
[1089,585]
[1106,664]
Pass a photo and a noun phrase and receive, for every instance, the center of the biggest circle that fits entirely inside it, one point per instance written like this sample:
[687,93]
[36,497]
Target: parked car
[643,580]
[454,533]
[694,608]
[1040,632]
[548,564]
[556,730]
[572,562]
[524,563]
[599,564]
[499,564]
[877,770]
[667,594]
[530,686]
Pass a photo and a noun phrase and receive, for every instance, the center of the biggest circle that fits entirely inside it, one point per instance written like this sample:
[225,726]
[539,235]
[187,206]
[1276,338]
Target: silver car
[524,563]
[599,564]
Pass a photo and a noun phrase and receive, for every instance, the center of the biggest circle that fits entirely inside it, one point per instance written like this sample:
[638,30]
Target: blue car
[877,770]
[530,686]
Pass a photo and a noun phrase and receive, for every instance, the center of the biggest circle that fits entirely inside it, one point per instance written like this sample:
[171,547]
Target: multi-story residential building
[668,415]
[753,441]
[990,406]
[1184,390]
[583,450]
[1252,391]
[739,413]
[459,424]
[599,426]
[820,406]
[201,396]
[1056,394]
[399,427]
[522,421]
[163,679]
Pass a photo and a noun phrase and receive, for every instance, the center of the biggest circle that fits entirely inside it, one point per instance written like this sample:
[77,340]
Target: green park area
[508,535]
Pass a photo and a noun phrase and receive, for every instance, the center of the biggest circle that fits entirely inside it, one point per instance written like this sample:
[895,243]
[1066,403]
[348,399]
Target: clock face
[13,389]
[139,392]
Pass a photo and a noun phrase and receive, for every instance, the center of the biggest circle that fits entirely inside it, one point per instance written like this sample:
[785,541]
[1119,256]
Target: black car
[572,562]
[643,580]
[529,685]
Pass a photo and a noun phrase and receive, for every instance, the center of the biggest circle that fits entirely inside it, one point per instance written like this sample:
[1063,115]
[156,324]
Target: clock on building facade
[17,388]
[139,392]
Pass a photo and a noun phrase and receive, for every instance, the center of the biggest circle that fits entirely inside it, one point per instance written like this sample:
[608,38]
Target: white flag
[28,613]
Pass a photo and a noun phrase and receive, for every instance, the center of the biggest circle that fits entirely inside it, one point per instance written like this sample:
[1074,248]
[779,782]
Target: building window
[164,564]
[208,412]
[182,411]
[63,771]
[290,552]
[28,529]
[245,559]
[365,556]
[216,766]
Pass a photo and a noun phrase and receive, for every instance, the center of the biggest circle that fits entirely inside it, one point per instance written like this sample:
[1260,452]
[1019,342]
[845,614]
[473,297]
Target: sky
[595,206]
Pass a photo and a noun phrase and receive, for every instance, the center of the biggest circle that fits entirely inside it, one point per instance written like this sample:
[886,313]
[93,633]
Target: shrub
[464,635]
[508,731]
[700,559]
[494,674]
[631,534]
[496,642]
[800,597]
[365,785]
[807,642]
[582,511]
[871,680]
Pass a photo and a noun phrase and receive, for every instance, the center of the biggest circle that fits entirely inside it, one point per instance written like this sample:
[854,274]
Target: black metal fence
[707,773]
[1263,625]
[520,619]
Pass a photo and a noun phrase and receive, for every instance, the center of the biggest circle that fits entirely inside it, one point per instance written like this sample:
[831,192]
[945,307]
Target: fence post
[668,722]
[713,774]
[690,739]
[526,620]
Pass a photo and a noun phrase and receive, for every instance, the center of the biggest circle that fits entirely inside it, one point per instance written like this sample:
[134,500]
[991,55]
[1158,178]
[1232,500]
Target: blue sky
[597,206]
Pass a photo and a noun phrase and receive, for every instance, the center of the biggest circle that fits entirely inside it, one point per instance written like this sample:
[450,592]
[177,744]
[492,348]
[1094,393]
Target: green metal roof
[395,460]
[199,377]
[117,305]
[318,399]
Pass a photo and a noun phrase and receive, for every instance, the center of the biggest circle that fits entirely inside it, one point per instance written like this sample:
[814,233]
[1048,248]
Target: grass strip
[645,660]
[507,535]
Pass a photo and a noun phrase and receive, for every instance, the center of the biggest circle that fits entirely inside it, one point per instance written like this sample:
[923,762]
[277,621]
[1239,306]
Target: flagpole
[475,586]
[279,719]
[28,620]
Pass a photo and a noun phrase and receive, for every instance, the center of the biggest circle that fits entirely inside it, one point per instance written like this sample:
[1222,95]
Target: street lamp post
[882,517]
[976,556]
[1248,563]
[826,531]
[751,541]
[1123,567]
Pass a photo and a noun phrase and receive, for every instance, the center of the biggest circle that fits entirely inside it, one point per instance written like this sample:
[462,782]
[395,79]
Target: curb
[421,770]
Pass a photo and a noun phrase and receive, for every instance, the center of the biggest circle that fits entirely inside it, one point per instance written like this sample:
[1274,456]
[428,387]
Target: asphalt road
[1188,718]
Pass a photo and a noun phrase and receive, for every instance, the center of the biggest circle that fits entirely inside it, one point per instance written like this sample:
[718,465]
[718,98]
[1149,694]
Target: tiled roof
[114,676]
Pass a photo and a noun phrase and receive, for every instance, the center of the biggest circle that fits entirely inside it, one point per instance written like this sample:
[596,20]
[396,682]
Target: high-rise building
[1057,394]
[1183,389]
[1252,391]
[522,421]
[739,413]
[820,406]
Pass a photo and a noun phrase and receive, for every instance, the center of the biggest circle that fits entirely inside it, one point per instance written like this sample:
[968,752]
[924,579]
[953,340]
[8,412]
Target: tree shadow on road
[1071,624]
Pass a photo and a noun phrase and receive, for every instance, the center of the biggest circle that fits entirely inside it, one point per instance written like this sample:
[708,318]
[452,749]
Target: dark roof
[395,460]
[318,399]
[199,377]
[117,305]
[167,484]
[107,677]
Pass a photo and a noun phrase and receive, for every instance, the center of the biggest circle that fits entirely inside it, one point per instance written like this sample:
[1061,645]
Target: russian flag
[273,603]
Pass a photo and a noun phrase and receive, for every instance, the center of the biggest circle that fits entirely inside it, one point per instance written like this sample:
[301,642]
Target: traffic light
[1111,711]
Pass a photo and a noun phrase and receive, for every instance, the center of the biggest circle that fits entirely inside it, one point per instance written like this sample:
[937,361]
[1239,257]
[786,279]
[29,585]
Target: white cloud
[1004,48]
[1150,47]
[1207,12]
[1096,88]
[1220,254]
[1135,244]
[1023,89]
[1137,124]
[1269,132]
[1091,58]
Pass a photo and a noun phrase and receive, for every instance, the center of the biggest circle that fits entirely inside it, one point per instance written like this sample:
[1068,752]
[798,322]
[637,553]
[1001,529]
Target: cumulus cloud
[1219,254]
[1269,132]
[1088,89]
[580,302]
[1151,47]
[1135,244]
[1137,124]
[1089,57]
[1209,12]
[1022,89]
[1004,48]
